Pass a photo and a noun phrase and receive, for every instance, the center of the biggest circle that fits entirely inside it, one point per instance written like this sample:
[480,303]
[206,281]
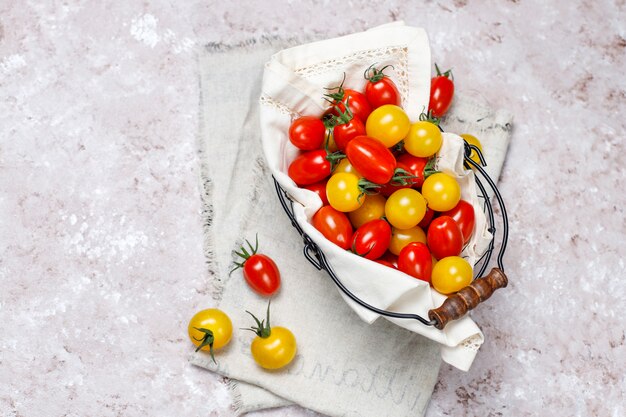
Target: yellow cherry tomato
[405,208]
[273,347]
[424,139]
[389,124]
[276,350]
[343,192]
[210,329]
[373,208]
[400,238]
[345,166]
[451,274]
[473,140]
[441,191]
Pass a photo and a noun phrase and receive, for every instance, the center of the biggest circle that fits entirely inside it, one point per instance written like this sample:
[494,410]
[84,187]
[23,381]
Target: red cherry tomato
[441,93]
[334,225]
[428,217]
[385,262]
[444,237]
[380,89]
[371,158]
[259,271]
[463,215]
[348,128]
[310,167]
[372,240]
[391,188]
[415,260]
[307,133]
[319,188]
[357,103]
[390,258]
[416,166]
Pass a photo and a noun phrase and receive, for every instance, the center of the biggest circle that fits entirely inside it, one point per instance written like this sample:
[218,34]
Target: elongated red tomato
[380,89]
[444,237]
[310,167]
[259,271]
[415,260]
[261,274]
[371,240]
[463,215]
[319,188]
[441,93]
[371,158]
[307,133]
[334,225]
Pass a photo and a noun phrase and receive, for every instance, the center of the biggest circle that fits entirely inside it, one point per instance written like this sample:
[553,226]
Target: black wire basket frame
[313,253]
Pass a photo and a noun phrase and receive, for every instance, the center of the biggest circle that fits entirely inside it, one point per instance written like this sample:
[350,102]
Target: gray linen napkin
[344,367]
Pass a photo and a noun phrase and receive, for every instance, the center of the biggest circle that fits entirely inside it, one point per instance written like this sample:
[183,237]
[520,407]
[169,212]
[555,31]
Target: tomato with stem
[344,192]
[380,89]
[260,271]
[420,168]
[402,178]
[345,97]
[210,329]
[273,347]
[346,127]
[441,92]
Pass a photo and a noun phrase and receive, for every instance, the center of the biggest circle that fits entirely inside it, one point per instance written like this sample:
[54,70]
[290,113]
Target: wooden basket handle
[457,305]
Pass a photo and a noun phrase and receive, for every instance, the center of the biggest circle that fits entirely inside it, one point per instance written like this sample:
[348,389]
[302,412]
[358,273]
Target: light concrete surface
[101,261]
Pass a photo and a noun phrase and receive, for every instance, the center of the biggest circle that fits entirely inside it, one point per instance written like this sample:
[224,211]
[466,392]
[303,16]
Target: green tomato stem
[207,340]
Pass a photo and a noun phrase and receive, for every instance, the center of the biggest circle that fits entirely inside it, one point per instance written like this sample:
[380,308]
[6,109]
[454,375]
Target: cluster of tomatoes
[273,347]
[374,172]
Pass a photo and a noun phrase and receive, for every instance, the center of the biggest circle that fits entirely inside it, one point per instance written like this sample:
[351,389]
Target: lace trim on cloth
[472,343]
[396,54]
[281,108]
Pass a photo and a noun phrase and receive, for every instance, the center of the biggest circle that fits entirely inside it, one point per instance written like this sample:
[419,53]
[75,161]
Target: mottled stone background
[101,261]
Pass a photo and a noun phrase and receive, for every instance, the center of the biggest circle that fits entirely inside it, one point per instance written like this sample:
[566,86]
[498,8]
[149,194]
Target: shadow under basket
[458,304]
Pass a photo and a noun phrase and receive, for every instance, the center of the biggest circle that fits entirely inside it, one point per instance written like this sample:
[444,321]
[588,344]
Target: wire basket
[458,304]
